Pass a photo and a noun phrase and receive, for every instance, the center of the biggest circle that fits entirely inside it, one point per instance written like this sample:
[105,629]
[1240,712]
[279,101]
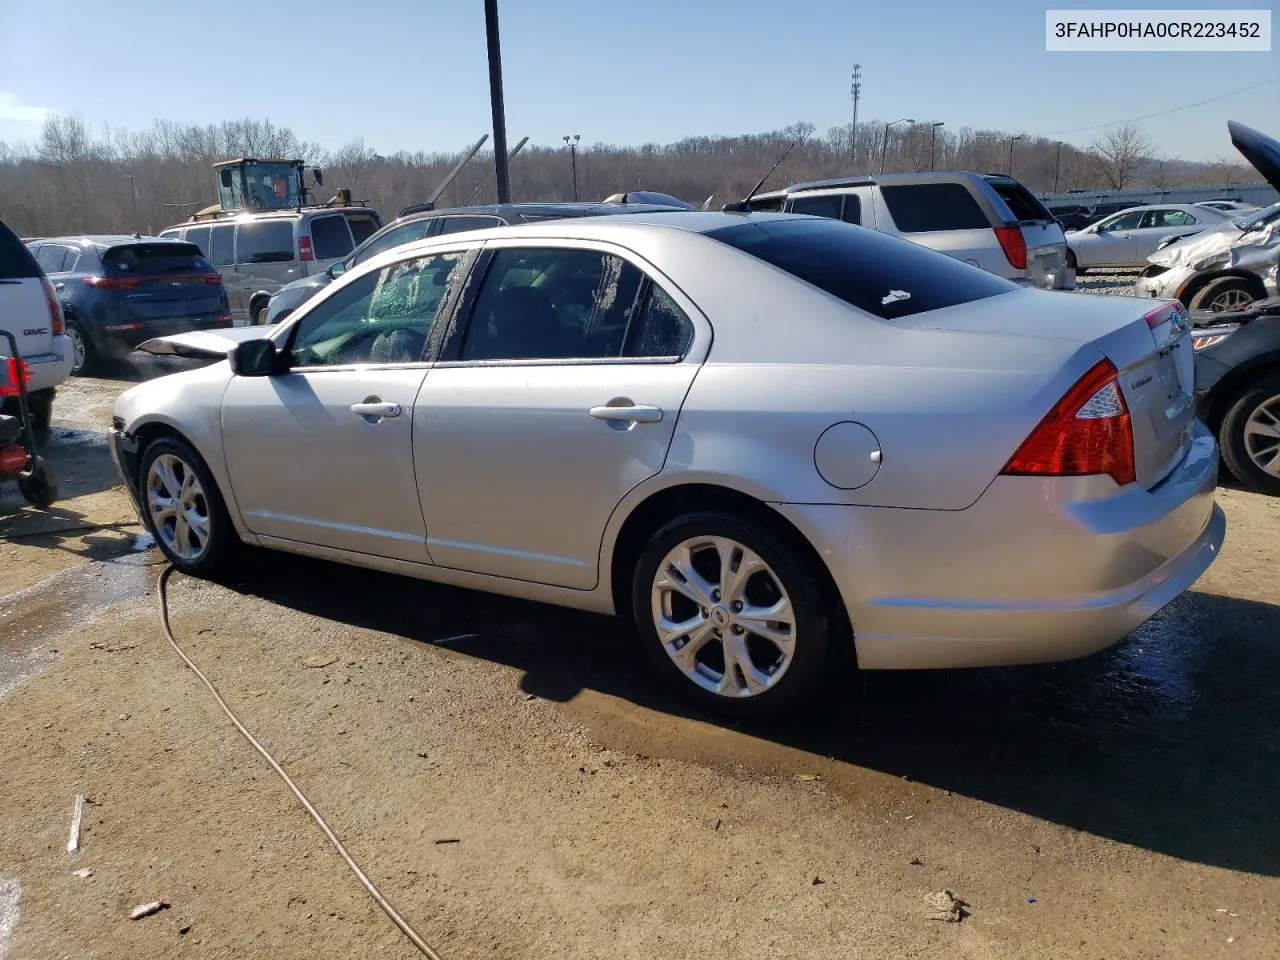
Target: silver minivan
[258,253]
[990,221]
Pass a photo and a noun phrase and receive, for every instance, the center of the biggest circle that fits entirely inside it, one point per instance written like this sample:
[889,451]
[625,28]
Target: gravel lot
[1122,806]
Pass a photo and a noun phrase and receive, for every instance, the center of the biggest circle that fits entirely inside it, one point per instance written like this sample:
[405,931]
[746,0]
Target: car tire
[1072,264]
[1257,403]
[773,680]
[171,470]
[84,358]
[258,313]
[39,486]
[1228,293]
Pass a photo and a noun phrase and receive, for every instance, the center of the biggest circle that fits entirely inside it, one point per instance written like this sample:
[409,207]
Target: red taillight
[1014,245]
[304,249]
[56,321]
[1087,432]
[1163,314]
[11,383]
[213,279]
[13,460]
[113,283]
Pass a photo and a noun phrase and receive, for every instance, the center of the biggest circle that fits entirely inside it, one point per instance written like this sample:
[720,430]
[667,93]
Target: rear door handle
[374,410]
[635,413]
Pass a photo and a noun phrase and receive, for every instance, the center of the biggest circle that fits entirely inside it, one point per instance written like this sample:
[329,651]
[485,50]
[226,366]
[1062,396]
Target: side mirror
[254,358]
[336,270]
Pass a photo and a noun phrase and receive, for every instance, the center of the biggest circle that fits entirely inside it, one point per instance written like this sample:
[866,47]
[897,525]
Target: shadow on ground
[1168,742]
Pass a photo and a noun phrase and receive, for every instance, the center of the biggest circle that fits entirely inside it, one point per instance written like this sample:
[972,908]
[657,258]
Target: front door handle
[631,413]
[373,409]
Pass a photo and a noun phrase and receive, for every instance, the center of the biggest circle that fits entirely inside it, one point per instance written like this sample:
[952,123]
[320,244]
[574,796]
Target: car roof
[1185,207]
[890,179]
[109,239]
[563,210]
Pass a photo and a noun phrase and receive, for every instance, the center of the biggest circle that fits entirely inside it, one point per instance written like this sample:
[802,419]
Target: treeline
[73,180]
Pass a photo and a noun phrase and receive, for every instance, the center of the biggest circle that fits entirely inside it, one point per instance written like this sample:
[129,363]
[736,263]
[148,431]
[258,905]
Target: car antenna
[744,206]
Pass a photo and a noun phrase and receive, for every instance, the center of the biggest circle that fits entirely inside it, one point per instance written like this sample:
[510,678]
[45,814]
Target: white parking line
[10,893]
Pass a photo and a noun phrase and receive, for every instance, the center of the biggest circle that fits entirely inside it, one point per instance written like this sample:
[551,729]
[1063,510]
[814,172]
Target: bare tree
[1120,153]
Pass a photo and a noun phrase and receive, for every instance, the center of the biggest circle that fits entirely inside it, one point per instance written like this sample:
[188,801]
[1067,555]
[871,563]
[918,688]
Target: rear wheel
[1250,435]
[184,509]
[730,613]
[1225,294]
[83,357]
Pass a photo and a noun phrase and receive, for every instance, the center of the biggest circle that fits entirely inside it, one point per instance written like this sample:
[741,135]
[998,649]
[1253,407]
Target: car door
[557,397]
[322,453]
[1113,242]
[222,239]
[1159,224]
[330,240]
[266,258]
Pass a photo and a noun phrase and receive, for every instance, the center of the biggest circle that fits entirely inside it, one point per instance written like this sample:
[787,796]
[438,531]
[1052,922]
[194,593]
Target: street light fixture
[933,139]
[884,143]
[1011,139]
[572,143]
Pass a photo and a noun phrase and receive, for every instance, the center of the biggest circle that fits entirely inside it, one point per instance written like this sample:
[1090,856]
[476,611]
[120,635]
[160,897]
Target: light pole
[933,138]
[884,143]
[573,161]
[133,190]
[495,101]
[1011,139]
[1057,165]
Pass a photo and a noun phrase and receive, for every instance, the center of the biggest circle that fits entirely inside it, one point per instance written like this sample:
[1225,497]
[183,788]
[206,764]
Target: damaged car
[1233,265]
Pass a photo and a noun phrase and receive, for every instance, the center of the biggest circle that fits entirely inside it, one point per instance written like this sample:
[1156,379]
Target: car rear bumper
[48,370]
[1037,570]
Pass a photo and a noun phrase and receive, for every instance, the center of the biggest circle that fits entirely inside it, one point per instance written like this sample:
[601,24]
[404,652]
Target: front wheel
[1225,295]
[184,509]
[1250,435]
[730,613]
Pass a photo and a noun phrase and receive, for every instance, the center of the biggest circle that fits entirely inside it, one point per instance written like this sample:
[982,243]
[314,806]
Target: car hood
[1225,243]
[203,344]
[1259,149]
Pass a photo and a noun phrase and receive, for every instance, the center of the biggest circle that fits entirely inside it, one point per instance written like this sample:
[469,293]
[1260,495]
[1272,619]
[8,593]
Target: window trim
[454,335]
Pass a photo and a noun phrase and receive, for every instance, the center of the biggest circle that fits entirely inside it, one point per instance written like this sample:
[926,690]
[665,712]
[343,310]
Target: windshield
[1252,221]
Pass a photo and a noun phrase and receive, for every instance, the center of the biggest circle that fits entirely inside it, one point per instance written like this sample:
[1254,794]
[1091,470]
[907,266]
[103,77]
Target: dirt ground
[519,786]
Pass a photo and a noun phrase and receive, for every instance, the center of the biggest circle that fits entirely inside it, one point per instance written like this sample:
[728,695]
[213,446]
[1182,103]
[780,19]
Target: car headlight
[1209,336]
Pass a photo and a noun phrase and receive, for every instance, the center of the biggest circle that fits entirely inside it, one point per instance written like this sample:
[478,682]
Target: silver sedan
[759,436]
[1127,238]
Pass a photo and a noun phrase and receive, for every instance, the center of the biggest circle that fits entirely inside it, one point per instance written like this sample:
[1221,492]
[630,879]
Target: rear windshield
[885,276]
[156,258]
[16,261]
[922,207]
[1026,208]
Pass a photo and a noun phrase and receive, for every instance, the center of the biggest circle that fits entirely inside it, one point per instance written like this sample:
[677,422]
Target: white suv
[990,221]
[29,309]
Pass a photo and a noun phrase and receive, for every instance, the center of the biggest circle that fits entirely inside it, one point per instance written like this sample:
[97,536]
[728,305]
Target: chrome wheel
[179,508]
[723,617]
[78,349]
[1230,300]
[1262,436]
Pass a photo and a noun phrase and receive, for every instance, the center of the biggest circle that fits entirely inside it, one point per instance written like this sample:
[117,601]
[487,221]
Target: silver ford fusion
[760,436]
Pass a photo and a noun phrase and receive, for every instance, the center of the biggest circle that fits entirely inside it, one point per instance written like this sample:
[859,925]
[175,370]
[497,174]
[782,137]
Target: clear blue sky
[412,74]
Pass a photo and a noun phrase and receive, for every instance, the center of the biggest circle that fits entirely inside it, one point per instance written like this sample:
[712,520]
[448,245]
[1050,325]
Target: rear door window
[265,241]
[222,245]
[363,226]
[925,207]
[330,237]
[50,256]
[879,274]
[16,260]
[200,237]
[152,259]
[825,206]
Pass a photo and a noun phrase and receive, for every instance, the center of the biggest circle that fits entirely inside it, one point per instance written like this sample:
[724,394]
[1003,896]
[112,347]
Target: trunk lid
[164,281]
[1259,149]
[1045,240]
[1148,342]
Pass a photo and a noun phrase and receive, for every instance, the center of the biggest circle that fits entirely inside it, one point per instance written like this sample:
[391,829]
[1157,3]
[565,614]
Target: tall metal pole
[884,144]
[1011,139]
[133,189]
[853,132]
[933,138]
[495,96]
[1057,165]
[572,144]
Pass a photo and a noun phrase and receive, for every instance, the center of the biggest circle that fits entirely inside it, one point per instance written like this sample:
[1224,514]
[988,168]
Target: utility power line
[1161,113]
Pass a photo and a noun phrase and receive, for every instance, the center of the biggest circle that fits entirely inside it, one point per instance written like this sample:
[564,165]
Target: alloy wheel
[1262,436]
[1230,300]
[178,506]
[724,617]
[78,349]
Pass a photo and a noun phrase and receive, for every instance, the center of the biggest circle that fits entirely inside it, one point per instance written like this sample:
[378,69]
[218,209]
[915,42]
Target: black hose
[373,891]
